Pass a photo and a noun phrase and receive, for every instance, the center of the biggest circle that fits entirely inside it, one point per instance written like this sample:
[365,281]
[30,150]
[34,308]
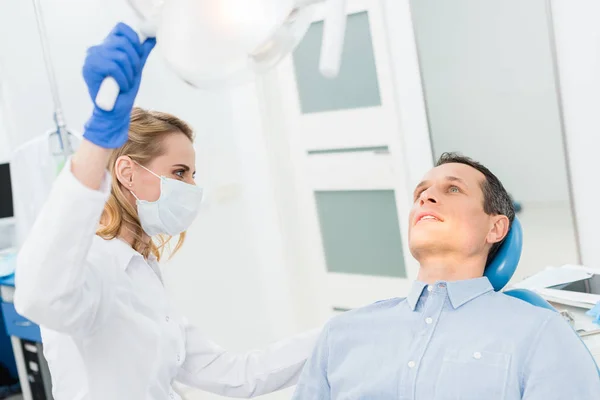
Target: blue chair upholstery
[504,264]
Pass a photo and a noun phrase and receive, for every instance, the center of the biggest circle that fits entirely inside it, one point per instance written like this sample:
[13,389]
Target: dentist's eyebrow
[183,166]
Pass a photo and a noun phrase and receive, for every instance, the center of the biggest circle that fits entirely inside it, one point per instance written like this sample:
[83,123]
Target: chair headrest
[504,264]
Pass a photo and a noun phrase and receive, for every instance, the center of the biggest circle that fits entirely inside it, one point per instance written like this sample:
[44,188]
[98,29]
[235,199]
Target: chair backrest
[503,266]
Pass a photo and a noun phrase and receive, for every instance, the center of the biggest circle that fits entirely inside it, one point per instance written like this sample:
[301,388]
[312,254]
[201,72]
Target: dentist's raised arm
[123,58]
[55,287]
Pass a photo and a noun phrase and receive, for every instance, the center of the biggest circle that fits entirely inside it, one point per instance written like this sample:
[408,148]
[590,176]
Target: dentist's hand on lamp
[122,57]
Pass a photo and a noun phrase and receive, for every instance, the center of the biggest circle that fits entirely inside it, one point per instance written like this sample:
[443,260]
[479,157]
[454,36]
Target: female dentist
[88,272]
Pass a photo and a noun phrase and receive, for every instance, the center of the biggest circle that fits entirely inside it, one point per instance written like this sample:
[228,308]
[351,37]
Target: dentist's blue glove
[123,57]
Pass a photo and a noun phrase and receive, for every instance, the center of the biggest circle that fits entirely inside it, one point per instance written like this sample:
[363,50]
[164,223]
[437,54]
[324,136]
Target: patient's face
[447,217]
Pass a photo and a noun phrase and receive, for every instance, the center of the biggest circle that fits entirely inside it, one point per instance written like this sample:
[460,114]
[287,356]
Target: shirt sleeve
[313,383]
[559,365]
[54,285]
[244,375]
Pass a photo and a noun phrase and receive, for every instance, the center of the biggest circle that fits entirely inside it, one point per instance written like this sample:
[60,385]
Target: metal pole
[58,113]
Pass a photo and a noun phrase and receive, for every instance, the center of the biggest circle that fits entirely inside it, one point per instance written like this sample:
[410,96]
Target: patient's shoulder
[522,305]
[516,309]
[378,306]
[379,309]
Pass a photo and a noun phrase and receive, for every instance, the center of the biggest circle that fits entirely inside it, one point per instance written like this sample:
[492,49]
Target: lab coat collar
[121,251]
[459,292]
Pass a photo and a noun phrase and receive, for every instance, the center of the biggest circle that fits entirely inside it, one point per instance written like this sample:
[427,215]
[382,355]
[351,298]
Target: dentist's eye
[180,173]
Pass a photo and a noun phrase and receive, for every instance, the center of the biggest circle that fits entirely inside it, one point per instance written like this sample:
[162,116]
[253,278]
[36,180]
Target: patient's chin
[422,246]
[424,243]
[433,232]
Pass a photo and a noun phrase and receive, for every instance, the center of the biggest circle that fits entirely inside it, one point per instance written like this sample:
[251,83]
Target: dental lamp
[214,44]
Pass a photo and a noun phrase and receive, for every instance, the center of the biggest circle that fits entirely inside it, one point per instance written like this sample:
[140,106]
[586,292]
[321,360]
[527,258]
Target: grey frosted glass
[356,85]
[360,232]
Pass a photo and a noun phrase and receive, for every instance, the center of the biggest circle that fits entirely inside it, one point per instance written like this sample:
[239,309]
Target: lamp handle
[334,29]
[109,88]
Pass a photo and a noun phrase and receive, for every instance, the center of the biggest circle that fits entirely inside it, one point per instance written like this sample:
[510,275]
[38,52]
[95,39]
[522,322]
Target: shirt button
[429,321]
[172,395]
[477,355]
[167,318]
[178,358]
[429,288]
[411,364]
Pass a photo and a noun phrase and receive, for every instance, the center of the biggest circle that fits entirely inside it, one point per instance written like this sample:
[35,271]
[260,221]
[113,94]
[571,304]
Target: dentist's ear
[499,229]
[124,169]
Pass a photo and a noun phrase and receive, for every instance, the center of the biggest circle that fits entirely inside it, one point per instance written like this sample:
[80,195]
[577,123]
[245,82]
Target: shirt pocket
[472,375]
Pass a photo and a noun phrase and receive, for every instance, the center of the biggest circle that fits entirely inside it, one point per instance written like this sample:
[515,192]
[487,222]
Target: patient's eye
[454,189]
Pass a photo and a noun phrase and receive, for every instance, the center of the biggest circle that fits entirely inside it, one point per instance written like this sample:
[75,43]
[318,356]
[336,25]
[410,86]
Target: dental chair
[504,264]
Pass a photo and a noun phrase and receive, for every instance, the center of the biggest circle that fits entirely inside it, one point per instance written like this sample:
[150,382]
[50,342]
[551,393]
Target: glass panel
[355,87]
[360,232]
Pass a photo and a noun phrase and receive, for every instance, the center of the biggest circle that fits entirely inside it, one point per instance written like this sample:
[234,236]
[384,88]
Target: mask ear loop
[137,198]
[156,175]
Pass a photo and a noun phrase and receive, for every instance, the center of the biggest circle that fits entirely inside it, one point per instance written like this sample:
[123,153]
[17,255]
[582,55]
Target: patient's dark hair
[496,200]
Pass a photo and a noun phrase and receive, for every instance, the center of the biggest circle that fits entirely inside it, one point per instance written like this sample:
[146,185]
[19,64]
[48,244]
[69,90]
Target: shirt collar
[415,294]
[459,292]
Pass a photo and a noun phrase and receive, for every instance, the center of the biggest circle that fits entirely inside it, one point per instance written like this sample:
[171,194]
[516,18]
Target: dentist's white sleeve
[55,286]
[244,375]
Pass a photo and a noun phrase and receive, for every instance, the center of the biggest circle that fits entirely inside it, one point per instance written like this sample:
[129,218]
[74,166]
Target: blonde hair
[146,133]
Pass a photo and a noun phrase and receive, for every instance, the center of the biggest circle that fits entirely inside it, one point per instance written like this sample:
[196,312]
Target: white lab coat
[33,170]
[108,328]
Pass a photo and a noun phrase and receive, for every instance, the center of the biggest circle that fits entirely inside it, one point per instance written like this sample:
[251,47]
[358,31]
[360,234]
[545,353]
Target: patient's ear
[499,229]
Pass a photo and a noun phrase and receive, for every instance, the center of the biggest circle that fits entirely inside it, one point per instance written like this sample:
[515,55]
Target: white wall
[4,143]
[577,30]
[231,277]
[490,90]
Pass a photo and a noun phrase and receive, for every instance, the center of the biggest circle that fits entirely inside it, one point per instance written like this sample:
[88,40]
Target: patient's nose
[428,196]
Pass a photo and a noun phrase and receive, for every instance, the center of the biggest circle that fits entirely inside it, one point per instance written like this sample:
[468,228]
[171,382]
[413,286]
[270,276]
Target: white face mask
[175,209]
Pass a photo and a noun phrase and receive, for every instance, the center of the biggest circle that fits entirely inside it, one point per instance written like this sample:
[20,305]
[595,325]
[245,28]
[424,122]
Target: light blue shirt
[450,341]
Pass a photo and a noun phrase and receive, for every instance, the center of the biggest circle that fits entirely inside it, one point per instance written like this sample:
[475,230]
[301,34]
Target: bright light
[216,42]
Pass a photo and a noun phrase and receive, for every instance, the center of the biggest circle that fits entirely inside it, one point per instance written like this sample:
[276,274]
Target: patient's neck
[450,268]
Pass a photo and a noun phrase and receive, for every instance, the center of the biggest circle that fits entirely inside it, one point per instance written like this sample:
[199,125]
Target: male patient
[453,337]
